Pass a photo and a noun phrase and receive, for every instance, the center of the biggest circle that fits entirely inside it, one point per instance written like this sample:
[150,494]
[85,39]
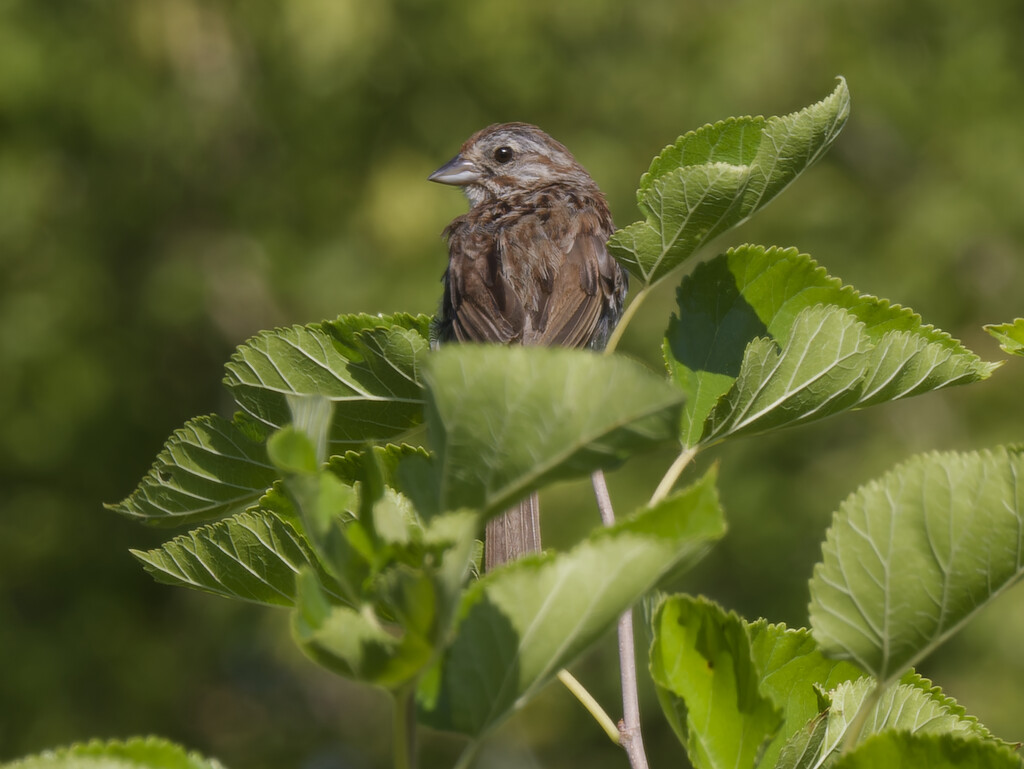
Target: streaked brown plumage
[527,265]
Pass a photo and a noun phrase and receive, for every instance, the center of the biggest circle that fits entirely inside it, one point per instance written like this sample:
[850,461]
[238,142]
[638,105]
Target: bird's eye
[503,154]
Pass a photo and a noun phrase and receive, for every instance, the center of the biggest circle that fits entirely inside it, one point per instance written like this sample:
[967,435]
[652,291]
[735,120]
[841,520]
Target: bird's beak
[458,171]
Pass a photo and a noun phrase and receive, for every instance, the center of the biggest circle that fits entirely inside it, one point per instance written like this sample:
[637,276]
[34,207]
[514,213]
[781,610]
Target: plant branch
[630,736]
[604,500]
[627,316]
[672,475]
[590,704]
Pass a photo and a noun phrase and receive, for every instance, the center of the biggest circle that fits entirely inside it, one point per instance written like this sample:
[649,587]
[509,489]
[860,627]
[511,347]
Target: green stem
[627,316]
[672,475]
[405,728]
[591,705]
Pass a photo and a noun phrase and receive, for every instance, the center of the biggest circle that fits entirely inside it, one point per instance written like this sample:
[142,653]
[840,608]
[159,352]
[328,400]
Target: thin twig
[627,316]
[591,705]
[672,475]
[630,736]
[604,500]
[629,727]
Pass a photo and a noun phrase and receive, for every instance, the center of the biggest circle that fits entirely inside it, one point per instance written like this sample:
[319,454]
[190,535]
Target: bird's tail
[512,534]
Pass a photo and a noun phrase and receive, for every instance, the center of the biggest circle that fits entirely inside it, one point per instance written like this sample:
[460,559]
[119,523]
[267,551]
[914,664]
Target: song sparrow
[526,265]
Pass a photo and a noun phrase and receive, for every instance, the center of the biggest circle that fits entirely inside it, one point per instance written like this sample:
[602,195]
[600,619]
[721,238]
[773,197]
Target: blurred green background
[176,175]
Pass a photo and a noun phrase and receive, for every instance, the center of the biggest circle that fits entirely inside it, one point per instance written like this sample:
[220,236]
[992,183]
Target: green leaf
[1009,335]
[802,748]
[765,338]
[716,177]
[207,469]
[317,498]
[741,694]
[354,644]
[311,415]
[708,684]
[506,420]
[912,556]
[134,753]
[405,611]
[792,669]
[896,750]
[953,709]
[291,451]
[385,517]
[253,556]
[817,373]
[350,466]
[366,365]
[521,624]
[352,529]
[913,706]
[396,577]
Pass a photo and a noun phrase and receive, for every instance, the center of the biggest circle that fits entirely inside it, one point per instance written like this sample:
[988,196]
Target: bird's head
[508,158]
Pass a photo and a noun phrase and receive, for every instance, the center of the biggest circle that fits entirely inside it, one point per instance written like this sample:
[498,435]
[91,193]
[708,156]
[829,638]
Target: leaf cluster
[374,549]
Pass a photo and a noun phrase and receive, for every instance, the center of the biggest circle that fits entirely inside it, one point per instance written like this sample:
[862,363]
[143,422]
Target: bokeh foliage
[176,176]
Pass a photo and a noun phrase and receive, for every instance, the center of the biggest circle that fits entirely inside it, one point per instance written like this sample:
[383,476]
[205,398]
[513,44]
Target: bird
[528,264]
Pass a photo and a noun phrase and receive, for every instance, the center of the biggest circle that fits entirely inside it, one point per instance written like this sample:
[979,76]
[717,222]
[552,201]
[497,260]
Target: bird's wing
[544,280]
[579,283]
[479,305]
[570,309]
